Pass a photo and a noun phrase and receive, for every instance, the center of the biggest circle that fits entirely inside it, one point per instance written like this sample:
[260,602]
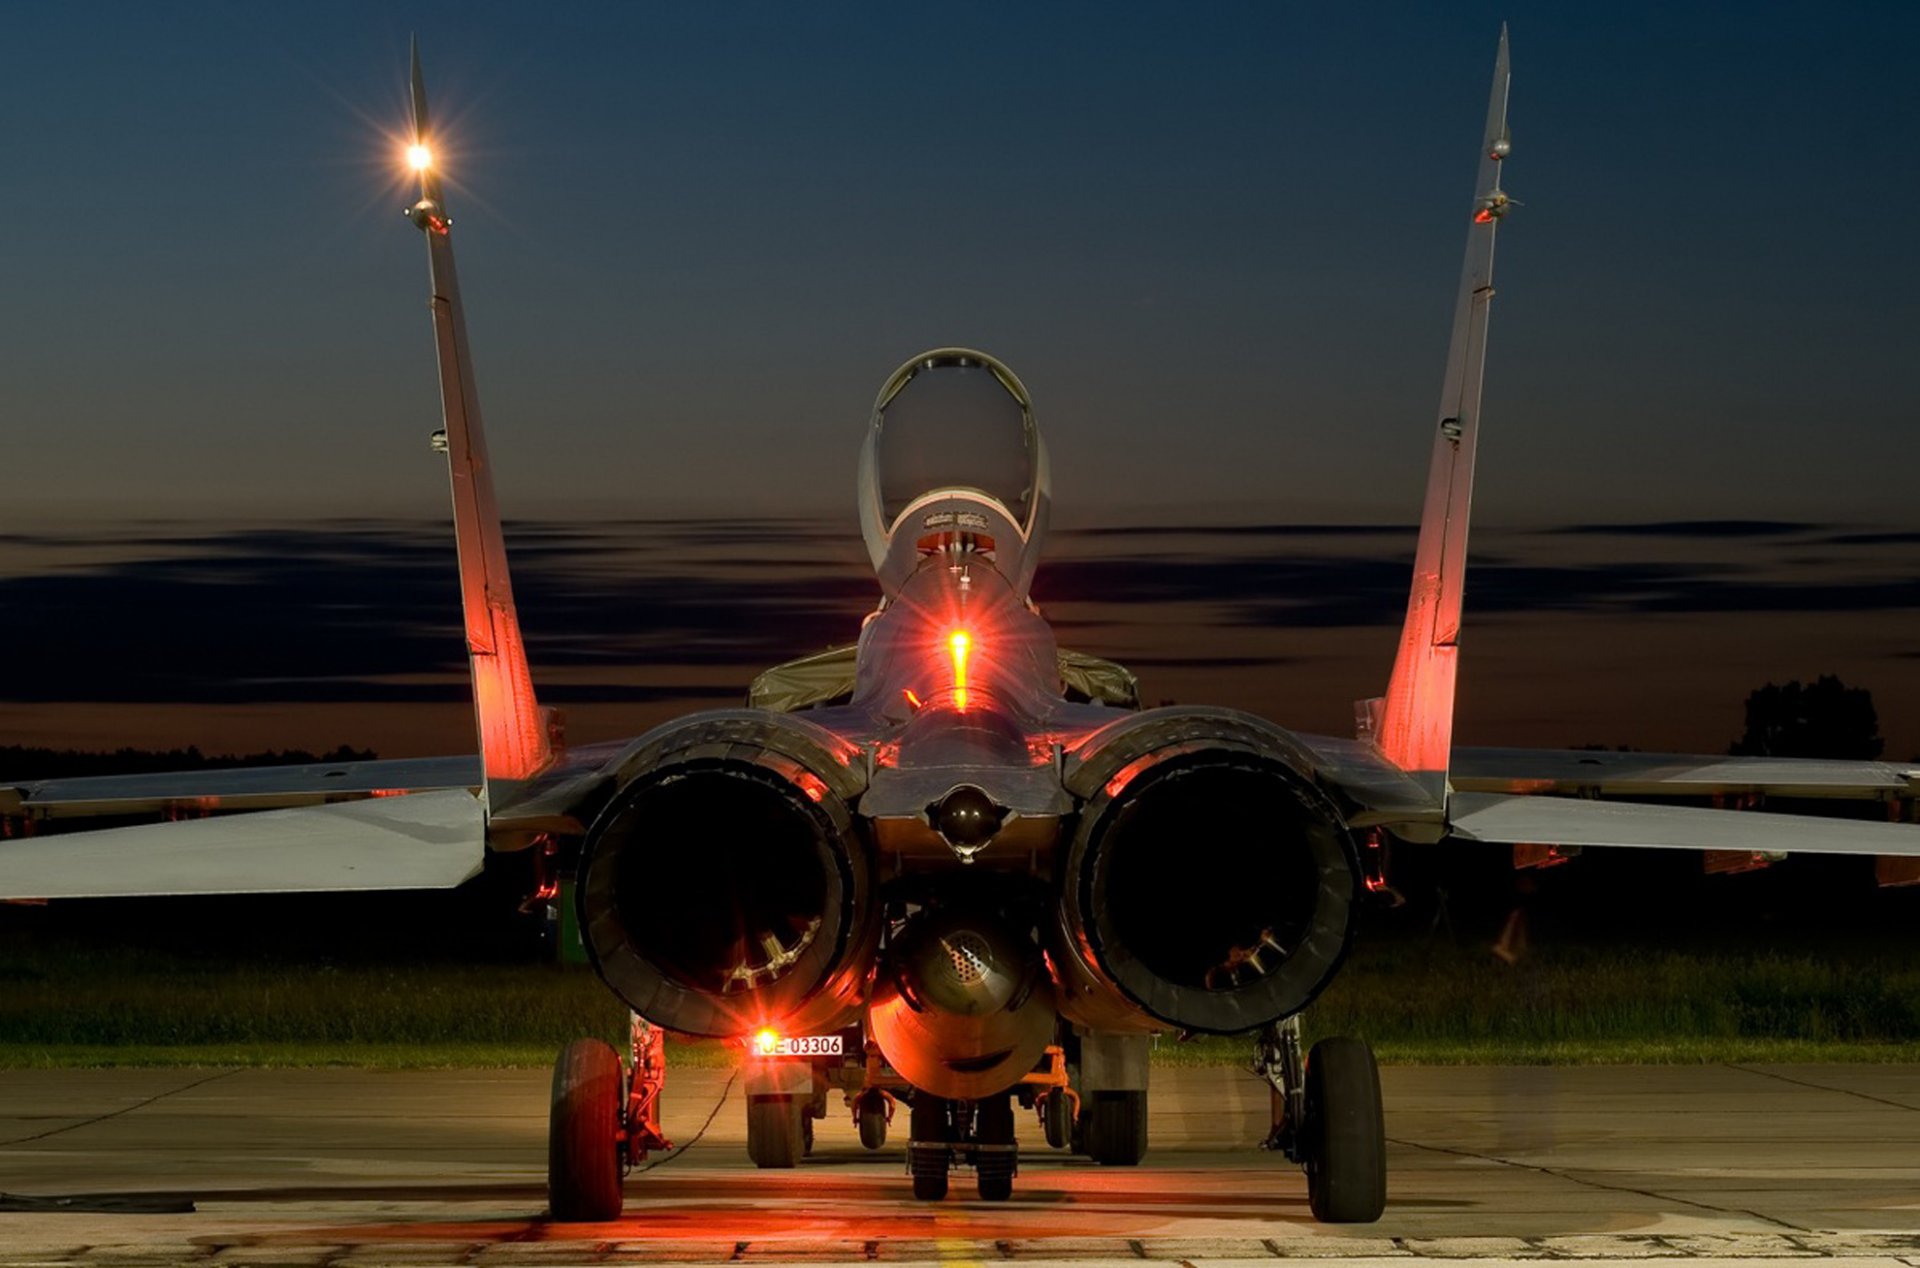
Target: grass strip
[1421,1001]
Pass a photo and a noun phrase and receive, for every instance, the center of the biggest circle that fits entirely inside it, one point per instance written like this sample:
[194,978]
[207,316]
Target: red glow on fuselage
[812,785]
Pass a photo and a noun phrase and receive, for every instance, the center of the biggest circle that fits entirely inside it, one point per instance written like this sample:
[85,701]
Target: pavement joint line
[124,1109]
[1560,1174]
[1823,1087]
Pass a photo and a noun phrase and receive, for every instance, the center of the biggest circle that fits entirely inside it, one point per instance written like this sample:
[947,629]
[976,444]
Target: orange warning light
[960,646]
[766,1042]
[419,157]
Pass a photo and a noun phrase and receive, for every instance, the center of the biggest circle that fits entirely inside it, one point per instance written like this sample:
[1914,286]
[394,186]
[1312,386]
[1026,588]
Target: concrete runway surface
[346,1167]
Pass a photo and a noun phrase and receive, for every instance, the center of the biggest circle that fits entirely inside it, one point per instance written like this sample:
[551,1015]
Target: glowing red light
[1484,216]
[960,646]
[811,785]
[766,1042]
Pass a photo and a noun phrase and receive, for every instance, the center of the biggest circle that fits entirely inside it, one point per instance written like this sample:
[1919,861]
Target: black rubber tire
[993,1168]
[1116,1128]
[928,1124]
[1345,1133]
[583,1130]
[872,1117]
[929,1176]
[776,1130]
[1056,1119]
[994,1177]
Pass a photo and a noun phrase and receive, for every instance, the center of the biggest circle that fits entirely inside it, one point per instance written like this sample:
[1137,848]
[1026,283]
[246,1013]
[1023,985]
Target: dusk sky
[1219,243]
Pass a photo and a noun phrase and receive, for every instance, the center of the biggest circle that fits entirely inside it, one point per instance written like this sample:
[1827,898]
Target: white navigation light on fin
[1413,724]
[429,840]
[515,738]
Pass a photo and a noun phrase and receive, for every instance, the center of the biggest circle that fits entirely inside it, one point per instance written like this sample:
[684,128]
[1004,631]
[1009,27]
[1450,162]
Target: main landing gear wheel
[776,1130]
[583,1133]
[994,1159]
[929,1151]
[871,1114]
[1344,1135]
[1114,1129]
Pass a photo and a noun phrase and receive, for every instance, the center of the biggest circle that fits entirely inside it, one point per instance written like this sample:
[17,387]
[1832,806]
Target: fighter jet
[951,865]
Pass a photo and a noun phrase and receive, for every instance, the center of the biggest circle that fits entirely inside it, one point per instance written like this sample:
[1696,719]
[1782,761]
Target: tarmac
[351,1167]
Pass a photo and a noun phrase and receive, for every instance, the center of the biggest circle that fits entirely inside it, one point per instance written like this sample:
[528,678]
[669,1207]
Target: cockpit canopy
[953,457]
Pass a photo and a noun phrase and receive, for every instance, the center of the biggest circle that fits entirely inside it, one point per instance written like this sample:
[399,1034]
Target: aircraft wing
[1577,797]
[1597,773]
[237,788]
[1577,821]
[426,840]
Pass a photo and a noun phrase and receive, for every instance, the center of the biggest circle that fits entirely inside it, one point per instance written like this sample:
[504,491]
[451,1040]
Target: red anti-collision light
[960,646]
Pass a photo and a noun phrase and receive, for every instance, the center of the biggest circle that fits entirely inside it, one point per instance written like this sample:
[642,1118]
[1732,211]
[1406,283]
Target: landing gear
[979,1133]
[583,1133]
[929,1152]
[994,1156]
[1346,1152]
[776,1130]
[601,1121]
[1328,1118]
[871,1113]
[1056,1117]
[1114,1128]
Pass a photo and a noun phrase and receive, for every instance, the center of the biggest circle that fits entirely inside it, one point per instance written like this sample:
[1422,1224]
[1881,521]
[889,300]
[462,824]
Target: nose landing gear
[972,1133]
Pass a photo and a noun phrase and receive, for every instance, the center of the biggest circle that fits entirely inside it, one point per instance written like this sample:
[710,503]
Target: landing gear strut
[602,1120]
[1327,1117]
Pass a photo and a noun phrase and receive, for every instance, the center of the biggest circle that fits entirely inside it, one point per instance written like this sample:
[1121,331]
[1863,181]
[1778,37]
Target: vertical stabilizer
[1413,725]
[514,735]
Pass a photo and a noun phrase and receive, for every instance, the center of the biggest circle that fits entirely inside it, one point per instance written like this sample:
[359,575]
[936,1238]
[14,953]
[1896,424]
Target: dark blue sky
[1219,242]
